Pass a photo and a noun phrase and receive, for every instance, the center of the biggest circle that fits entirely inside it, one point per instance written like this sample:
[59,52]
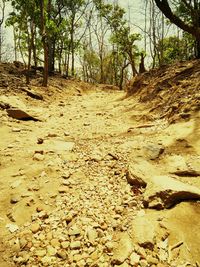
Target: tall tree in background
[2,16]
[43,8]
[188,18]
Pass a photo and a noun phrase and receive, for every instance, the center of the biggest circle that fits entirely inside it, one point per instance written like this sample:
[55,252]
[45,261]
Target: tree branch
[163,5]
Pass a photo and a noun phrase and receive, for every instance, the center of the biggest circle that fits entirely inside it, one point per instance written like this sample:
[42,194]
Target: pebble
[38,157]
[12,227]
[14,199]
[62,254]
[74,231]
[75,245]
[68,218]
[55,243]
[62,189]
[143,263]
[35,227]
[65,244]
[51,251]
[91,234]
[16,130]
[40,253]
[134,259]
[40,141]
[151,260]
[46,260]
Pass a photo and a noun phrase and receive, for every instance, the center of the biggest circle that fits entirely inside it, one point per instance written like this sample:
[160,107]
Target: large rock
[19,114]
[164,192]
[33,94]
[123,250]
[161,191]
[144,231]
[16,109]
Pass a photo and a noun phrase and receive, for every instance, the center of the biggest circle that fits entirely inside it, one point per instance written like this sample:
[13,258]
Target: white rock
[12,227]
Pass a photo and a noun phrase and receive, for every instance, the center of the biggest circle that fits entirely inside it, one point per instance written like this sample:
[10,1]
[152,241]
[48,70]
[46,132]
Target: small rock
[35,227]
[40,141]
[12,227]
[91,234]
[109,246]
[153,151]
[74,231]
[143,263]
[55,243]
[39,209]
[40,253]
[62,254]
[23,242]
[16,130]
[51,251]
[75,245]
[66,134]
[151,260]
[14,199]
[119,210]
[68,218]
[52,135]
[46,260]
[134,259]
[38,157]
[65,244]
[62,189]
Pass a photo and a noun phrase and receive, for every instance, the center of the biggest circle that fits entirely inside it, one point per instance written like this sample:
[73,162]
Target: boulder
[164,192]
[160,191]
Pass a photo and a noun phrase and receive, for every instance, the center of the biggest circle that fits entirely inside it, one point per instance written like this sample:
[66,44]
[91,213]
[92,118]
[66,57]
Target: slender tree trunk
[72,49]
[15,43]
[0,44]
[44,42]
[125,65]
[29,56]
[33,38]
[197,52]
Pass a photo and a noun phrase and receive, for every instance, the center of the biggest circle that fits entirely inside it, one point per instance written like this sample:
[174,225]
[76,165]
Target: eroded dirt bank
[65,199]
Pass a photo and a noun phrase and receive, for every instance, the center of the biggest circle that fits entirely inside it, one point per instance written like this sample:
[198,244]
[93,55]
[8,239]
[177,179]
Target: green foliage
[177,49]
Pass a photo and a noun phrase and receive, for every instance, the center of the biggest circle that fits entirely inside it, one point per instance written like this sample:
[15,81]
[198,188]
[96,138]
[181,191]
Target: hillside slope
[171,92]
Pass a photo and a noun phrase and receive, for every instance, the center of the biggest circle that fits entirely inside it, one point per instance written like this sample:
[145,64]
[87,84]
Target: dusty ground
[64,192]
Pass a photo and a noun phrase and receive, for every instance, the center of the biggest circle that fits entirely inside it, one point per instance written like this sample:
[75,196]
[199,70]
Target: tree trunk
[197,52]
[0,43]
[29,56]
[44,42]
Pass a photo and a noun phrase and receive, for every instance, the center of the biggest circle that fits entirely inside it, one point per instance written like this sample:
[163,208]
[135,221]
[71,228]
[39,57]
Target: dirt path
[64,192]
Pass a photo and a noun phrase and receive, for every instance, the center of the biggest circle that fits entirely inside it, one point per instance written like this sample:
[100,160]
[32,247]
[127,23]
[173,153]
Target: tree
[189,23]
[176,49]
[44,40]
[2,13]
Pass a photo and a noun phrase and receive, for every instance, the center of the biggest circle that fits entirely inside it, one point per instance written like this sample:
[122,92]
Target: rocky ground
[88,178]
